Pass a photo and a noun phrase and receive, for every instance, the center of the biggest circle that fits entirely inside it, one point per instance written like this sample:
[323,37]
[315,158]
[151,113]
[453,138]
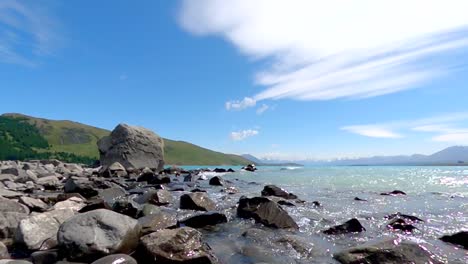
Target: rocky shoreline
[55,212]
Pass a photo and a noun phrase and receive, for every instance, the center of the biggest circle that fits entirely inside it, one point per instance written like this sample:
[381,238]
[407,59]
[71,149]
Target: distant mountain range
[27,137]
[456,155]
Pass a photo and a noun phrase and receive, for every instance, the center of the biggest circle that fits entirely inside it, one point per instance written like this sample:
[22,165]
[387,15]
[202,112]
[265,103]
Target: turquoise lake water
[438,195]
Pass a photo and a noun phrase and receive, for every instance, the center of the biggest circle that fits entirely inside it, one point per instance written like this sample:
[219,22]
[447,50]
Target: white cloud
[26,32]
[240,105]
[447,128]
[241,135]
[262,109]
[323,50]
[372,131]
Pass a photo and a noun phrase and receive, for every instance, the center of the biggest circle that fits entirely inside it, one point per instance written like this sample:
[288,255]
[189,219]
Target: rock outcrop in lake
[132,147]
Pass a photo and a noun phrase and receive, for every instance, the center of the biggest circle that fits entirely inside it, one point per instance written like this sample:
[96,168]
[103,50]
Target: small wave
[291,168]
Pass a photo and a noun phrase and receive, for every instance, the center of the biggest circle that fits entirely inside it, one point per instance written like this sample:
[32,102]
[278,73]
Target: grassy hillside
[80,140]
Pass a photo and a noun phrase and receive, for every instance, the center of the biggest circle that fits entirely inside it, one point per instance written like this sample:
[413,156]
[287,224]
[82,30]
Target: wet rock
[265,211]
[316,204]
[351,226]
[157,221]
[285,203]
[299,245]
[94,234]
[250,167]
[116,259]
[460,239]
[82,186]
[217,181]
[220,170]
[230,190]
[204,219]
[182,245]
[190,178]
[111,195]
[133,147]
[273,190]
[39,231]
[198,190]
[9,223]
[404,216]
[197,201]
[35,205]
[45,256]
[394,193]
[127,206]
[401,224]
[387,252]
[230,170]
[359,199]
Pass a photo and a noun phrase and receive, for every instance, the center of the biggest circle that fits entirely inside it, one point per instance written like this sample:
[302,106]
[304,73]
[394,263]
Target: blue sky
[284,79]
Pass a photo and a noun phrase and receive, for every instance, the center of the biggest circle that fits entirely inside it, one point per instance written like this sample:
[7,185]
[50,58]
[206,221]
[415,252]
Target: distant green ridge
[80,140]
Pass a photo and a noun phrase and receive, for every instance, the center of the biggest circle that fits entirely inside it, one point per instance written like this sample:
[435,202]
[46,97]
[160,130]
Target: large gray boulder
[97,233]
[9,223]
[133,147]
[387,252]
[181,245]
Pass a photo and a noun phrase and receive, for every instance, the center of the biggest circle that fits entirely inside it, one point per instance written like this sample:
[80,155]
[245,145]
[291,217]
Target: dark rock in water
[218,170]
[182,245]
[460,239]
[359,199]
[204,219]
[250,167]
[217,181]
[301,246]
[265,211]
[404,216]
[197,190]
[273,190]
[285,203]
[316,204]
[190,178]
[230,170]
[45,256]
[387,252]
[127,206]
[133,147]
[160,179]
[350,226]
[82,186]
[157,221]
[94,234]
[395,192]
[197,201]
[401,224]
[116,259]
[111,195]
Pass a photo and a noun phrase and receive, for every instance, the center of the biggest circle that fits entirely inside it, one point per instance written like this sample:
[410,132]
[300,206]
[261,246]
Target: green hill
[26,137]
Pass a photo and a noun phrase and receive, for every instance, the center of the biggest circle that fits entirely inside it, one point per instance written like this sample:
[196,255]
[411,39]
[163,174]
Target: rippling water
[438,195]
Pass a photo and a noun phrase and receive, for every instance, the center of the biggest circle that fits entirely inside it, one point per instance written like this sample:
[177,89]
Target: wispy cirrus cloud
[324,50]
[451,128]
[242,104]
[27,31]
[243,134]
[262,109]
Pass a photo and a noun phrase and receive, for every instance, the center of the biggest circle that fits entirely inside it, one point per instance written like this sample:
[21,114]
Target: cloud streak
[452,128]
[242,135]
[26,32]
[325,50]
